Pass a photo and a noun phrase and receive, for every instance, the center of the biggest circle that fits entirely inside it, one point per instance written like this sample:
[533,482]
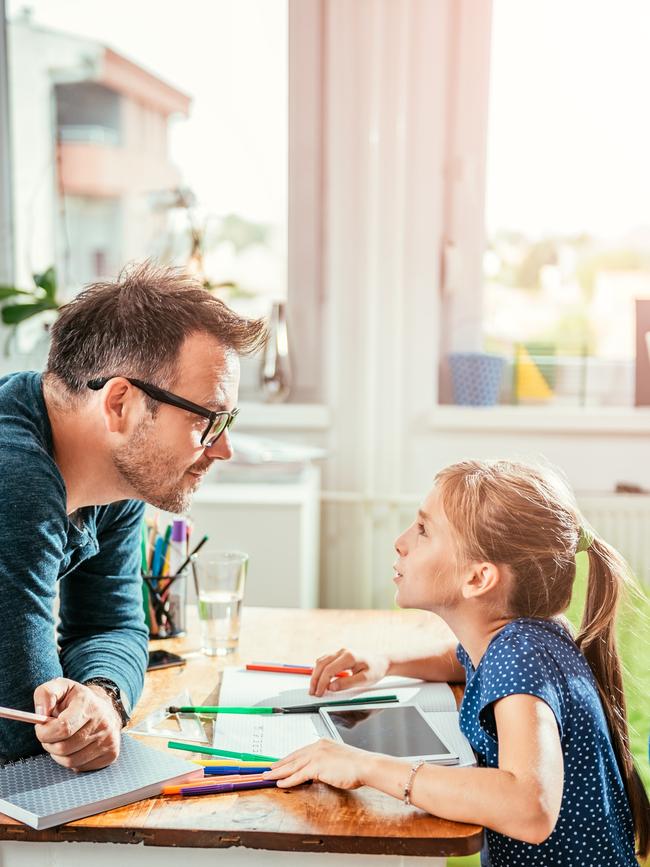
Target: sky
[569,131]
[231,58]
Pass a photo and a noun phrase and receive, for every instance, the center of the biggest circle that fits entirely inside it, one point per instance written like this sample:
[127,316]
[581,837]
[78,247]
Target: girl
[492,551]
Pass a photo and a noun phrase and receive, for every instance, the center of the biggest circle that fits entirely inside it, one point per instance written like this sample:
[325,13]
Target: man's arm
[102,635]
[102,631]
[32,536]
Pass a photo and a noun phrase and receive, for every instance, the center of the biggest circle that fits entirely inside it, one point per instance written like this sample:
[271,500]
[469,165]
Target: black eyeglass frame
[168,397]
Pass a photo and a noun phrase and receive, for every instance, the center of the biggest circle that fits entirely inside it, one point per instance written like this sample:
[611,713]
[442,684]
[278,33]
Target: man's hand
[85,734]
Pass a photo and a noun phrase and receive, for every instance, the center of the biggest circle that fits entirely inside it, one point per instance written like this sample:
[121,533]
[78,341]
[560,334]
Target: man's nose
[222,449]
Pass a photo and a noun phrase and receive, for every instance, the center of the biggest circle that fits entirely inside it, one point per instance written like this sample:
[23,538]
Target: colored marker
[279,668]
[227,763]
[234,770]
[296,708]
[225,709]
[165,548]
[156,565]
[202,781]
[211,751]
[218,789]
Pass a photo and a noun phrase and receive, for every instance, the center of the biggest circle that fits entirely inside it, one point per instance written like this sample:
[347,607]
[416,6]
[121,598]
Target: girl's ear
[481,578]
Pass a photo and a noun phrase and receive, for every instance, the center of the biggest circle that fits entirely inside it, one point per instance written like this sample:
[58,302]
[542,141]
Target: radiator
[623,520]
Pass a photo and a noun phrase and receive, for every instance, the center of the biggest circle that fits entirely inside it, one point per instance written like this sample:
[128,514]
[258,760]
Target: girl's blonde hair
[526,518]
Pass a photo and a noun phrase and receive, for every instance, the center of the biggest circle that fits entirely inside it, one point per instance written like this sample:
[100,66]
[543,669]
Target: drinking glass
[220,577]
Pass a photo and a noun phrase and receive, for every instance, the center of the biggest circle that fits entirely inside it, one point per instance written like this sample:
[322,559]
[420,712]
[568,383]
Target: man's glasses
[218,422]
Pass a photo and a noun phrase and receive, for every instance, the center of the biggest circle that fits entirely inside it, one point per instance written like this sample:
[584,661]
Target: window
[151,129]
[561,312]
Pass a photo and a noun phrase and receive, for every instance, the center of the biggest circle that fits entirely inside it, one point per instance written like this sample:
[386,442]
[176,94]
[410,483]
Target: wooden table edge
[213,838]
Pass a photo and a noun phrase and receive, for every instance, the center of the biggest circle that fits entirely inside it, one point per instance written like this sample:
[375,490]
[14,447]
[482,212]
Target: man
[135,405]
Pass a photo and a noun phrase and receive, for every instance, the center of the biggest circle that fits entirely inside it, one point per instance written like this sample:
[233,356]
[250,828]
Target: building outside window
[566,261]
[127,147]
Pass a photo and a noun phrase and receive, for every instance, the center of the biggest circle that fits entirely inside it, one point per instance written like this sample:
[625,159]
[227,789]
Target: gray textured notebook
[41,793]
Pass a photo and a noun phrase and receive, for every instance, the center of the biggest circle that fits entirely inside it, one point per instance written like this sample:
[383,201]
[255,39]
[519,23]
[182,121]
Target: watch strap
[120,703]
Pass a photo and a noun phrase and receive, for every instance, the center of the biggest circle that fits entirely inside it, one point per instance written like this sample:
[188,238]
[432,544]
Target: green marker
[211,751]
[216,709]
[144,565]
[296,708]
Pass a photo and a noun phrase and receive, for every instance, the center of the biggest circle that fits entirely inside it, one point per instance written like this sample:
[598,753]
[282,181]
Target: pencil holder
[165,600]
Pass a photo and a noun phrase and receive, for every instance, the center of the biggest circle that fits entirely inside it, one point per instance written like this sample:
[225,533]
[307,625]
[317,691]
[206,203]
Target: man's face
[164,461]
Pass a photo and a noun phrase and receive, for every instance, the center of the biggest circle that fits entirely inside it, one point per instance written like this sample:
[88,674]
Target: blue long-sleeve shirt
[92,557]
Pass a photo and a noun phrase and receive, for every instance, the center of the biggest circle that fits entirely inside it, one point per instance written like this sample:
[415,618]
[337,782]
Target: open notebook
[41,793]
[279,735]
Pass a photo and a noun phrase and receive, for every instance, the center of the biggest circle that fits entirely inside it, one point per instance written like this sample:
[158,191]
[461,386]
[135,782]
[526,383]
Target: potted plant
[18,305]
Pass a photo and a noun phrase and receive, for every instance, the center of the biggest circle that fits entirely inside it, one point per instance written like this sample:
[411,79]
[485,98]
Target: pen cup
[220,578]
[165,599]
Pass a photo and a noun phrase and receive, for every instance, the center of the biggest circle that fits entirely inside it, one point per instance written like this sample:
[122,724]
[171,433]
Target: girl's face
[426,570]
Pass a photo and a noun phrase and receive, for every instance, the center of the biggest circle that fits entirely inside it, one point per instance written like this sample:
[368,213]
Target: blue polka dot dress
[539,657]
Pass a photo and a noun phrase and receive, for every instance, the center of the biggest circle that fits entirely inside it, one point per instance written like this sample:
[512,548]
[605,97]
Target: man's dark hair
[136,325]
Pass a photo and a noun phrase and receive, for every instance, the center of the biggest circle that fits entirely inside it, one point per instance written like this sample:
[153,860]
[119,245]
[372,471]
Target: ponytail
[608,575]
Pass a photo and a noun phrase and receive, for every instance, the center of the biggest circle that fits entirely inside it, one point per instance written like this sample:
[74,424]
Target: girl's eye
[421,530]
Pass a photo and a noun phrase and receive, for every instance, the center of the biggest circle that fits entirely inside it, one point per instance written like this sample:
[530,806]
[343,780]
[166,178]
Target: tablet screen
[397,731]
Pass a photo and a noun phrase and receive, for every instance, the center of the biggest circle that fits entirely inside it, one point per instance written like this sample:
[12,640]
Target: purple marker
[227,787]
[178,550]
[177,589]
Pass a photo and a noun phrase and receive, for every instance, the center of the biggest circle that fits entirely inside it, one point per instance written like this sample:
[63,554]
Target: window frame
[463,245]
[305,192]
[305,301]
[7,269]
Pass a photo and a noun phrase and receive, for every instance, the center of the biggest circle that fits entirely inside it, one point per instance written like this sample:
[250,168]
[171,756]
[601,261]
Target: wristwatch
[120,701]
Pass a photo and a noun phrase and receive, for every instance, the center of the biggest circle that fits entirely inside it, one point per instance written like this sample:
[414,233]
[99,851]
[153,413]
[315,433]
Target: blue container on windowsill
[476,377]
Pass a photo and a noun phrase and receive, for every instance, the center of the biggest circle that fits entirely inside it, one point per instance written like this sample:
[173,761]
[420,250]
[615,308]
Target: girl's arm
[521,798]
[369,668]
[441,666]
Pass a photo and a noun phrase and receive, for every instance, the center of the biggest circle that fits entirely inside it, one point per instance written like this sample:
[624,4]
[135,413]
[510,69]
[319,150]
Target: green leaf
[10,291]
[47,282]
[12,314]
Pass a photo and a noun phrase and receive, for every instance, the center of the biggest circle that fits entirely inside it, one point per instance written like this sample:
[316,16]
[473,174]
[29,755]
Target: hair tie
[585,539]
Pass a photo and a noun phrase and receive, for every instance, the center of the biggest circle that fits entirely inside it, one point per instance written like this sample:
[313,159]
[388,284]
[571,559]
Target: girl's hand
[325,761]
[366,670]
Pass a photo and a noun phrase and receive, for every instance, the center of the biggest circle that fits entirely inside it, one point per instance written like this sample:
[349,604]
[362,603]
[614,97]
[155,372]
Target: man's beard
[151,472]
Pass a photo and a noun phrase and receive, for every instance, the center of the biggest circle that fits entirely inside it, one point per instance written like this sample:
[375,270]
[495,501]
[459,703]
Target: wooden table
[314,819]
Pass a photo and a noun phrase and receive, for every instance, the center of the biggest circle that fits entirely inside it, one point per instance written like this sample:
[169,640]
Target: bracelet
[407,788]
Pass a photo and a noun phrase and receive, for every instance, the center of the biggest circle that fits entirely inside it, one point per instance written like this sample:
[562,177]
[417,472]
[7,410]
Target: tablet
[396,730]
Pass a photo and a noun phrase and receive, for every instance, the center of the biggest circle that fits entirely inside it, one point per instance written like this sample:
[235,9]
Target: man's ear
[481,578]
[119,403]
